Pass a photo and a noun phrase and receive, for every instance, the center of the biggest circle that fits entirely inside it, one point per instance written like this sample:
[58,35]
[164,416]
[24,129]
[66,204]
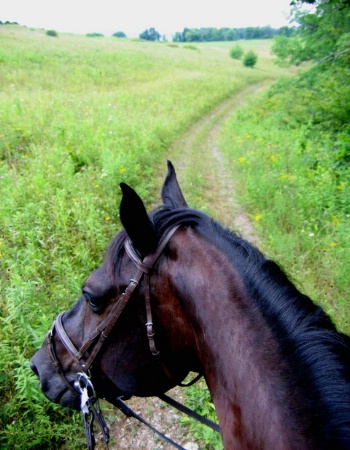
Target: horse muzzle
[51,382]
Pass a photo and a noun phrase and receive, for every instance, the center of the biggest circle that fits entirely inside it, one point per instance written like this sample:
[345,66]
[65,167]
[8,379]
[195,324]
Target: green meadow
[78,115]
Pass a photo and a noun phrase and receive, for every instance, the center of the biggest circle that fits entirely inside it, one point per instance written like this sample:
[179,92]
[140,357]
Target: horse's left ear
[136,222]
[171,193]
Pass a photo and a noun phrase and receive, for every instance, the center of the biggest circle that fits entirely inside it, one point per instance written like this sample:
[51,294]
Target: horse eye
[93,301]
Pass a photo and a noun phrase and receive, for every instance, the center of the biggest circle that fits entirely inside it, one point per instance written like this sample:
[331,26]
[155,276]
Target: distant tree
[250,59]
[119,34]
[178,37]
[229,34]
[8,23]
[52,33]
[150,35]
[287,31]
[192,35]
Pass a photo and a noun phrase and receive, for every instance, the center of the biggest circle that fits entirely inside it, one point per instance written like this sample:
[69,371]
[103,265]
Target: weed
[300,194]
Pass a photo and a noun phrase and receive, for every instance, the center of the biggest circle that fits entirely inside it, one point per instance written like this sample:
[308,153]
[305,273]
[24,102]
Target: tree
[52,33]
[324,33]
[119,34]
[250,59]
[150,35]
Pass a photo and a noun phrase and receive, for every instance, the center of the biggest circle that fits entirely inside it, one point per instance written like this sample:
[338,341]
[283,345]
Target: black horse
[277,369]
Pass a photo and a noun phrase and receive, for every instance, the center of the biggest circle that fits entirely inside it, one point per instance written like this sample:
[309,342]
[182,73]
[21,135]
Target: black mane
[316,353]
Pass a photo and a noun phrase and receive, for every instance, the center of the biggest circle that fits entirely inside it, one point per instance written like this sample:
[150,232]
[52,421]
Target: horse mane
[315,353]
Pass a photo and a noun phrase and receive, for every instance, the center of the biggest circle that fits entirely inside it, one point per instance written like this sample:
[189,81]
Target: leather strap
[102,331]
[146,265]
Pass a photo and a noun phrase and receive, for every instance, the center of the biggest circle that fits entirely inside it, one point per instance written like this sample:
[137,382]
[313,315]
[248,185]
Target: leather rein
[83,385]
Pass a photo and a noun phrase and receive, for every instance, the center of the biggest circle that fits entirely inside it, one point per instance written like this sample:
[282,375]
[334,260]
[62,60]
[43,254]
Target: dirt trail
[202,138]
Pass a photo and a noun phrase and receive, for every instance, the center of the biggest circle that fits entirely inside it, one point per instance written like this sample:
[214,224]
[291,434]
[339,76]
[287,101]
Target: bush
[190,47]
[119,34]
[94,35]
[236,52]
[52,33]
[250,59]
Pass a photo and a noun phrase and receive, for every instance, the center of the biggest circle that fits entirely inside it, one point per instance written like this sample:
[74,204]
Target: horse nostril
[34,369]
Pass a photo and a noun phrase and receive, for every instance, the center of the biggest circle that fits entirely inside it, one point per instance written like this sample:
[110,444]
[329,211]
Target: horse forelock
[316,354]
[114,254]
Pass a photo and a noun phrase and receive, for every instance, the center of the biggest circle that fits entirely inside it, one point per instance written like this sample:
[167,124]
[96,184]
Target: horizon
[110,16]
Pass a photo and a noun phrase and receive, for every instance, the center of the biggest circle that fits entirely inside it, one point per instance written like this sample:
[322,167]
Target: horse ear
[136,222]
[171,192]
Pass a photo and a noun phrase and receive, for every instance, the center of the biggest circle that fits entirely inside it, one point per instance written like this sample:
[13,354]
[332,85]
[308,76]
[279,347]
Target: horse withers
[178,293]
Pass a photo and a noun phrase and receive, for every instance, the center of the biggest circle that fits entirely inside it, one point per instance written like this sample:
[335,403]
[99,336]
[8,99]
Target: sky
[134,16]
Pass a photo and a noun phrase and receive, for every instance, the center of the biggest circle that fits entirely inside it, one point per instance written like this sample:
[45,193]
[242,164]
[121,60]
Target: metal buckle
[90,410]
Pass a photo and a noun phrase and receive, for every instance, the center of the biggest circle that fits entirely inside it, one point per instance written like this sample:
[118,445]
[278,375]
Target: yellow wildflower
[258,217]
[242,160]
[342,186]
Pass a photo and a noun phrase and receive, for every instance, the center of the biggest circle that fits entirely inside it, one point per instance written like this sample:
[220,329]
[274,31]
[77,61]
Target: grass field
[79,115]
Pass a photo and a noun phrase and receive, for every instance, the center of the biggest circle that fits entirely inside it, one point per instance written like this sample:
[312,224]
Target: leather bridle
[83,385]
[101,333]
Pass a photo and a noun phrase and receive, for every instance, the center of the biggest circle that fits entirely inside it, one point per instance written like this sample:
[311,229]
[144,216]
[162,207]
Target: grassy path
[203,174]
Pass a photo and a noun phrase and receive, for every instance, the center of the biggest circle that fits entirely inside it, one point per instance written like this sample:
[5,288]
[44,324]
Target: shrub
[52,33]
[119,34]
[236,52]
[250,59]
[94,35]
[190,47]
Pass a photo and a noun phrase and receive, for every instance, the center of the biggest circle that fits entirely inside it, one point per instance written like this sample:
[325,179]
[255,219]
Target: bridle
[89,403]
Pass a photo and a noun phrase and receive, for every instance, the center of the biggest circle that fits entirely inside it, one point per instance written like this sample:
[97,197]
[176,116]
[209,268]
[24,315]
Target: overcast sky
[134,16]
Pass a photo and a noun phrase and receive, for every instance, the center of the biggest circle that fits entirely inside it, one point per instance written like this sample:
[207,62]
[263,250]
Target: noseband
[102,332]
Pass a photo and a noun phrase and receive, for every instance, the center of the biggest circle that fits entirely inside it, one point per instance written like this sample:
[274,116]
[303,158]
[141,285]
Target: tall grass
[293,178]
[77,116]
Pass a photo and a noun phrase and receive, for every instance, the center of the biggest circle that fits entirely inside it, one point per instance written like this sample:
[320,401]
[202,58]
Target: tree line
[211,34]
[324,40]
[231,34]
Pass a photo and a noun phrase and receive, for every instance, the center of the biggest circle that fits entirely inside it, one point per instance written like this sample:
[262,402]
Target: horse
[277,369]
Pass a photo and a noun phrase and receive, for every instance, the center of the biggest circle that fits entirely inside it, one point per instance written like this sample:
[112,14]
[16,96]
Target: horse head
[124,364]
[177,293]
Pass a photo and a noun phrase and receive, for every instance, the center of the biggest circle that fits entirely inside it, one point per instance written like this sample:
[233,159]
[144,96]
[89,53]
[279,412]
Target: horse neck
[238,353]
